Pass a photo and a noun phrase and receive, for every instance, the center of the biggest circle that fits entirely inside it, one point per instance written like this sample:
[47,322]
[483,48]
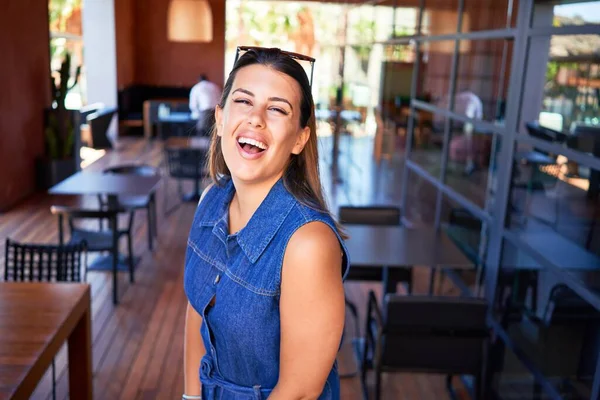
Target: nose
[256,117]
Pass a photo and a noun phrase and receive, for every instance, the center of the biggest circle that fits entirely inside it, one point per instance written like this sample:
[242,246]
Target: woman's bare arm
[312,312]
[193,351]
[193,348]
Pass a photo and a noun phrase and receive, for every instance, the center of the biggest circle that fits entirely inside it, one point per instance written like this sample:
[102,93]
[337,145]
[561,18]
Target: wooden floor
[138,345]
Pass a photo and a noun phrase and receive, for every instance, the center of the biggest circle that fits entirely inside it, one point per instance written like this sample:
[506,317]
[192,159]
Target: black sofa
[131,103]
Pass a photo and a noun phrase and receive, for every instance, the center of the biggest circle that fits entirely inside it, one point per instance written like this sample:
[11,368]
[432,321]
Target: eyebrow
[249,93]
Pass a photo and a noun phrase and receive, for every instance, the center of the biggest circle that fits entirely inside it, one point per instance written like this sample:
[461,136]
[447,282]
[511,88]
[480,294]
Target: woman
[265,261]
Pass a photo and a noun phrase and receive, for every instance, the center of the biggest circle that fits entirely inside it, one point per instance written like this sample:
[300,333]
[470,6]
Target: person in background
[204,97]
[469,104]
[265,260]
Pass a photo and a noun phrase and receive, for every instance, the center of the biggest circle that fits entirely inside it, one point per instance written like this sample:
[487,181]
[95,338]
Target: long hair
[301,176]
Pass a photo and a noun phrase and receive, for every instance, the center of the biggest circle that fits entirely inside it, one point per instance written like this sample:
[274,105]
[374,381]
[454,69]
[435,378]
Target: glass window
[550,323]
[482,79]
[406,21]
[434,73]
[440,17]
[483,15]
[468,233]
[427,139]
[361,24]
[420,201]
[471,161]
[569,13]
[555,204]
[572,80]
[66,39]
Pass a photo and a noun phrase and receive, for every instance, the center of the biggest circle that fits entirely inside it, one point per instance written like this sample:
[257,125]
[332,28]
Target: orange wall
[25,93]
[145,56]
[125,37]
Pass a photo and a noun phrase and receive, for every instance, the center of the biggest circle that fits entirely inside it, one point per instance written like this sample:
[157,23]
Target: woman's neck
[245,202]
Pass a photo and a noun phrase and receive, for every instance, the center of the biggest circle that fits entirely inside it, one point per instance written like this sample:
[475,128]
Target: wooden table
[35,320]
[377,248]
[94,183]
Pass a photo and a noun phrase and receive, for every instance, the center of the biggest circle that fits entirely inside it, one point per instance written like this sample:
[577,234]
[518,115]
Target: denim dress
[242,272]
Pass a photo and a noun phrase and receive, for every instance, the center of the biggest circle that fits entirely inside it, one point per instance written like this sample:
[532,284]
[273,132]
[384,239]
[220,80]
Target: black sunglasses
[300,57]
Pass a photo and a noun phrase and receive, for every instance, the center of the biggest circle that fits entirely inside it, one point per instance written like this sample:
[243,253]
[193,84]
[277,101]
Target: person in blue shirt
[265,260]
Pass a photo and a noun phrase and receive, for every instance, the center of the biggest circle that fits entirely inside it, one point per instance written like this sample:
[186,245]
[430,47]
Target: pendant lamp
[190,21]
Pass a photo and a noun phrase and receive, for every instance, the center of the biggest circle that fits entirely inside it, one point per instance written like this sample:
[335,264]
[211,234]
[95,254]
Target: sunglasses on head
[298,57]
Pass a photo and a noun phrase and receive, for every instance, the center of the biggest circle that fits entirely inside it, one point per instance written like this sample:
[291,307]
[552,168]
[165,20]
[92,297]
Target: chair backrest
[369,215]
[544,133]
[99,123]
[90,109]
[73,214]
[434,333]
[43,262]
[186,163]
[133,169]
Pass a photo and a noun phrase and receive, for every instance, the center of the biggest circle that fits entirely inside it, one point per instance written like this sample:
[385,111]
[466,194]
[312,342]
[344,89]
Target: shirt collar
[264,224]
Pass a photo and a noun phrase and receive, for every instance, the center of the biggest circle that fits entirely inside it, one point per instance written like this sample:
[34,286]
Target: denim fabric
[243,273]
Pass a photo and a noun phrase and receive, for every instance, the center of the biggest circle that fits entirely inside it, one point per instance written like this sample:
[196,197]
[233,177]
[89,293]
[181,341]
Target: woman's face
[259,125]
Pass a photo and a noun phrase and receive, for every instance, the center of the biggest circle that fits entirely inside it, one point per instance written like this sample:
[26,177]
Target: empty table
[112,186]
[373,247]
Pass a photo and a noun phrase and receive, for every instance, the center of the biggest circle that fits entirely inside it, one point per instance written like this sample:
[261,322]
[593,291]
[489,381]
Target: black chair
[132,203]
[44,263]
[99,122]
[440,335]
[97,241]
[186,163]
[545,168]
[373,215]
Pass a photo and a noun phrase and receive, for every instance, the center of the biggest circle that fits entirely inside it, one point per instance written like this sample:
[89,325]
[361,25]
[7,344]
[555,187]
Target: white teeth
[260,145]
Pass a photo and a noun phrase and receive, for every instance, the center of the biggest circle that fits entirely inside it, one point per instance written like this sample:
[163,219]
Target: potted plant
[61,127]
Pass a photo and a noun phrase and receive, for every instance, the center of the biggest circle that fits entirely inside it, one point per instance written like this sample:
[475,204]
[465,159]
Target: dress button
[217,279]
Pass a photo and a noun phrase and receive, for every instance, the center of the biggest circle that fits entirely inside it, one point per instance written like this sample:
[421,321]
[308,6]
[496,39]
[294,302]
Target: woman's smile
[251,149]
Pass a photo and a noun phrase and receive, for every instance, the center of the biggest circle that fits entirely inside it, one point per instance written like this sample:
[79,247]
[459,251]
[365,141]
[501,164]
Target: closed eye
[279,110]
[242,101]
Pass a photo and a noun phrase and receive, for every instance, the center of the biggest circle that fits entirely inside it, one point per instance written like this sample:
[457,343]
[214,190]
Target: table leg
[390,282]
[80,358]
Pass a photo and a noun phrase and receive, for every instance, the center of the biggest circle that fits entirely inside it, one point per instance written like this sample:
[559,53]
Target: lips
[251,146]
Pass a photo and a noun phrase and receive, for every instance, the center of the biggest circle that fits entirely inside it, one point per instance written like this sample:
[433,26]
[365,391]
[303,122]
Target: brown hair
[301,177]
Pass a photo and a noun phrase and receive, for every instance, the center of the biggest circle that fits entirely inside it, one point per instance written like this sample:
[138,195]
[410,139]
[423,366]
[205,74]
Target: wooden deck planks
[138,345]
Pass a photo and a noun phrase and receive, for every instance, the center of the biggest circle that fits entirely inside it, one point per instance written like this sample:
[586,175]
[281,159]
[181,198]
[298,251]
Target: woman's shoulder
[316,232]
[307,213]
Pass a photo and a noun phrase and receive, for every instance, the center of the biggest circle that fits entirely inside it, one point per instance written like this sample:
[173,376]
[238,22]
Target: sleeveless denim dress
[241,330]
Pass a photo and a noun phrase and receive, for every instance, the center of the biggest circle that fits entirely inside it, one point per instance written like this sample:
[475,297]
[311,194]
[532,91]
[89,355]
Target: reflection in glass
[406,21]
[549,322]
[471,162]
[427,138]
[558,197]
[361,24]
[469,235]
[481,15]
[440,17]
[482,79]
[434,73]
[420,201]
[548,14]
[572,84]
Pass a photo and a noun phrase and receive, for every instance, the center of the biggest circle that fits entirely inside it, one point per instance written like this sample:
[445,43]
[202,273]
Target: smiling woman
[265,261]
